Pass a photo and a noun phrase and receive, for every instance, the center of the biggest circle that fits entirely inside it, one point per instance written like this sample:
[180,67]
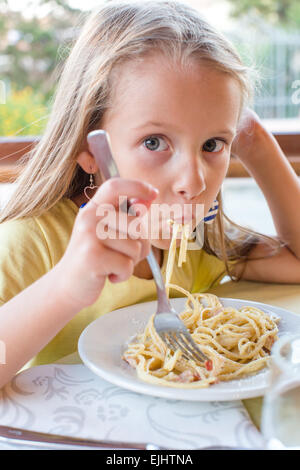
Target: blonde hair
[116,33]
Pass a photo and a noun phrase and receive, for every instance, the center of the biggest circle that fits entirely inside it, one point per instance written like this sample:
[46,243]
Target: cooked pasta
[237,341]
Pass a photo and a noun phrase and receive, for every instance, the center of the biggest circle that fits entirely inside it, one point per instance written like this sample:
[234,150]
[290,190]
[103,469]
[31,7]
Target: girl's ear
[87,162]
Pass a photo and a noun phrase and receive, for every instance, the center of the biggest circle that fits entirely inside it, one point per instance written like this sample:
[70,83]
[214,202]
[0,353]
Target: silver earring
[91,186]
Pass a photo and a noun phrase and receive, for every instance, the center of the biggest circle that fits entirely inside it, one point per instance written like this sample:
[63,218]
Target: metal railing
[276,56]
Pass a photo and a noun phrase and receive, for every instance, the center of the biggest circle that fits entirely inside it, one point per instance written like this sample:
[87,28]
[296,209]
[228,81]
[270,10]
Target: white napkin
[71,400]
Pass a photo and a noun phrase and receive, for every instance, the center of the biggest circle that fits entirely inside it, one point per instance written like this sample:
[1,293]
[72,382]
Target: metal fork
[26,437]
[167,323]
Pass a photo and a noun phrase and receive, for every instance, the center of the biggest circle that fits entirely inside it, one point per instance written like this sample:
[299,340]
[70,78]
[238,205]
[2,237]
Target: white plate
[103,341]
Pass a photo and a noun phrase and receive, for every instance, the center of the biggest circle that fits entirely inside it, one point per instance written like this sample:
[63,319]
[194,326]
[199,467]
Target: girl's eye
[213,145]
[153,143]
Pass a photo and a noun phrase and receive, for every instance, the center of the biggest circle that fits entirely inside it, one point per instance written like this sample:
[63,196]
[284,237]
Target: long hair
[110,36]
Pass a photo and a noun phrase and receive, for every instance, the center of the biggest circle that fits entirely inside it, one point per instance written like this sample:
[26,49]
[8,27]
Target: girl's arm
[263,158]
[31,319]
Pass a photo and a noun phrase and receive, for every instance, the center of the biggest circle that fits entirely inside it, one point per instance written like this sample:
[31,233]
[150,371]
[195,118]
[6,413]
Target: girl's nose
[190,180]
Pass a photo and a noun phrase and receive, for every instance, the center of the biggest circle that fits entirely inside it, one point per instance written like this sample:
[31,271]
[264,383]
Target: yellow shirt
[31,246]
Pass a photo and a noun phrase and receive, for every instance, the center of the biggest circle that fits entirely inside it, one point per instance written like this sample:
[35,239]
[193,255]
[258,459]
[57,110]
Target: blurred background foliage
[25,113]
[282,13]
[31,51]
[34,48]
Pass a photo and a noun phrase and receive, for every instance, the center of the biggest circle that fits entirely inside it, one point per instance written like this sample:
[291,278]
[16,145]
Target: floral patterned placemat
[70,400]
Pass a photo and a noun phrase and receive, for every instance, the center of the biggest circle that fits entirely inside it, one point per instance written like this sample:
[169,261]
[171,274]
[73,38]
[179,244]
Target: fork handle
[12,435]
[162,298]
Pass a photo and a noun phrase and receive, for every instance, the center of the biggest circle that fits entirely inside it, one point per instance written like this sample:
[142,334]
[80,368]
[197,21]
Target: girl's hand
[247,139]
[88,260]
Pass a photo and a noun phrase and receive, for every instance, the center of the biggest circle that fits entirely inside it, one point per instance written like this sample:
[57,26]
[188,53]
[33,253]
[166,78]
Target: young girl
[171,92]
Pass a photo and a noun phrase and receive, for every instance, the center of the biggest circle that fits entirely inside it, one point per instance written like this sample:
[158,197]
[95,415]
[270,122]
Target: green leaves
[31,45]
[284,13]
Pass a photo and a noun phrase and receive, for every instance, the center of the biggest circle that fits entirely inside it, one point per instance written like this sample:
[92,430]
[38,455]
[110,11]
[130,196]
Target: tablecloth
[69,399]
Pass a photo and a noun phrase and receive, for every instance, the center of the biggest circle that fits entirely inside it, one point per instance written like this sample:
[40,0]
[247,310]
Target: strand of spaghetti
[185,229]
[171,256]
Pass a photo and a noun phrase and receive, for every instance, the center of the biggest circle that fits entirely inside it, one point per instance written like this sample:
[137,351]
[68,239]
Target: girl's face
[173,128]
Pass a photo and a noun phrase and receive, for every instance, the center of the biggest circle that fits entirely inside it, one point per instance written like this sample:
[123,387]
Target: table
[286,296]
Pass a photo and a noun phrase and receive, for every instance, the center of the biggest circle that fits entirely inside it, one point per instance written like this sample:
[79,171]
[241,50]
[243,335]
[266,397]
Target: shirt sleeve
[24,256]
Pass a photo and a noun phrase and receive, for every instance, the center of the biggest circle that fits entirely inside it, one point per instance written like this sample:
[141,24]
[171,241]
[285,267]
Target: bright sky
[215,11]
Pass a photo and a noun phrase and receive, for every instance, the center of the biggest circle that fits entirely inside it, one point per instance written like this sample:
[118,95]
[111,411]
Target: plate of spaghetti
[236,335]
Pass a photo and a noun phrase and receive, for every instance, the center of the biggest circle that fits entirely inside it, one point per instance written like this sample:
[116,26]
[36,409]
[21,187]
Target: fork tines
[185,343]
